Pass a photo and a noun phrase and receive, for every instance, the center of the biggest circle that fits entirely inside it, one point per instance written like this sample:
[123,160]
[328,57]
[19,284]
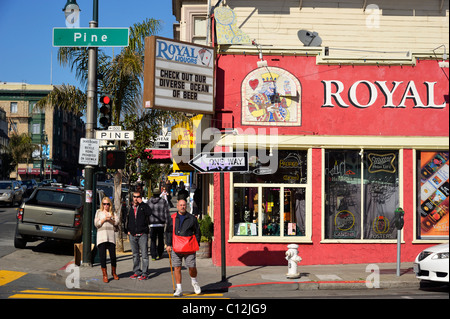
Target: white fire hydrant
[293,259]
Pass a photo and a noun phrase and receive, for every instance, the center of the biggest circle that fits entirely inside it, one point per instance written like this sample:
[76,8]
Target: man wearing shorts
[186,225]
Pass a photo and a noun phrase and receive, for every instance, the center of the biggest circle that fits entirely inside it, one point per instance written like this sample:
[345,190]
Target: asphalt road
[30,273]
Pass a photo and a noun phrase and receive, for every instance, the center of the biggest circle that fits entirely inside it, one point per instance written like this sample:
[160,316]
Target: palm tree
[20,147]
[66,97]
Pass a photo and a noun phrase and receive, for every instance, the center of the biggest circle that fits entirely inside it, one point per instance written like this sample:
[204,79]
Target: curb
[94,282]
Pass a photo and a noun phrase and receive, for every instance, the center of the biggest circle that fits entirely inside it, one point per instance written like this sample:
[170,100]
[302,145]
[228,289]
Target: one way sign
[220,162]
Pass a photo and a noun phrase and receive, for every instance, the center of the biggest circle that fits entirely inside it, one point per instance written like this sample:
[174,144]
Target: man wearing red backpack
[183,239]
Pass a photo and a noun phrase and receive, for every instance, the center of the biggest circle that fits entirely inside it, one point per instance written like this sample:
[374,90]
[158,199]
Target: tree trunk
[118,206]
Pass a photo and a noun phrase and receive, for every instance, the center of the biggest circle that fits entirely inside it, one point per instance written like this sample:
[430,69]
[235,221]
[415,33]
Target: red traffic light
[105,99]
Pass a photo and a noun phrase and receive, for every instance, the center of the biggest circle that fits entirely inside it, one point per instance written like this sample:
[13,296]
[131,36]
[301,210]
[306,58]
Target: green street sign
[90,37]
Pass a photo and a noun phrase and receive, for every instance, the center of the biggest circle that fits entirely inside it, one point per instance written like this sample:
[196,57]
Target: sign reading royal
[178,76]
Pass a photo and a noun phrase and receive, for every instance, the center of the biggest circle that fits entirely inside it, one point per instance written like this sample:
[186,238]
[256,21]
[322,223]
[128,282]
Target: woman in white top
[105,220]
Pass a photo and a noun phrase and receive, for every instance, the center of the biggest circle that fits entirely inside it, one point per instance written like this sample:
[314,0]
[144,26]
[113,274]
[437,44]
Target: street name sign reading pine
[220,162]
[113,135]
[90,37]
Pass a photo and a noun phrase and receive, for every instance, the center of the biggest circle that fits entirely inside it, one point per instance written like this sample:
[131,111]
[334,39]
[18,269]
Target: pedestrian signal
[115,159]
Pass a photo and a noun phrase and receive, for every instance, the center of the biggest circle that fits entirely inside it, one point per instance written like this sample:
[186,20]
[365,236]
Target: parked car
[30,186]
[11,192]
[51,213]
[108,188]
[432,264]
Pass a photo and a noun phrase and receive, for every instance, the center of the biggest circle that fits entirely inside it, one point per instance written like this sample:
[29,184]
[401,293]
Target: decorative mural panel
[271,96]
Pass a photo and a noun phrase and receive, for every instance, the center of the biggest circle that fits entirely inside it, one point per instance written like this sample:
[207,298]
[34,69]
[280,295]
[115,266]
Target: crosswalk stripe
[6,276]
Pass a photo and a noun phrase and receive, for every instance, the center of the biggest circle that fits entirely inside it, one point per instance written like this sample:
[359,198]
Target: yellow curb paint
[6,276]
[40,294]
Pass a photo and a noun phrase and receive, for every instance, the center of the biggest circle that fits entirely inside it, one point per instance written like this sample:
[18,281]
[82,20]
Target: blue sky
[26,51]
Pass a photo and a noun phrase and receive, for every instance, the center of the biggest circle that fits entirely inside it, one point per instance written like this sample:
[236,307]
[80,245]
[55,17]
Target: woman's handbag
[183,244]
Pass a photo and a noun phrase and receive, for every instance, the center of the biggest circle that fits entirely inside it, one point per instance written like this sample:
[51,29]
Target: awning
[159,156]
[37,171]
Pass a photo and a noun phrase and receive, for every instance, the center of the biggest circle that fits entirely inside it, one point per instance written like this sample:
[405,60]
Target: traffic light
[115,159]
[105,110]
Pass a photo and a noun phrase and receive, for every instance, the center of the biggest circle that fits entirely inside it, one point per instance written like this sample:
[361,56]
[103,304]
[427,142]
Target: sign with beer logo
[178,76]
[382,163]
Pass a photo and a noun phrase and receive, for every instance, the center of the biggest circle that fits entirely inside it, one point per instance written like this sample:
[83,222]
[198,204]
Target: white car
[432,264]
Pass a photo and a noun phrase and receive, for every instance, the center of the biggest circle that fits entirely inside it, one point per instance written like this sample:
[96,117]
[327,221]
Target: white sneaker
[197,288]
[178,293]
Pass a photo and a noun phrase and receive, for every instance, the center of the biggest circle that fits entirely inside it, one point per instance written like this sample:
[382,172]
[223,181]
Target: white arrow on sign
[220,162]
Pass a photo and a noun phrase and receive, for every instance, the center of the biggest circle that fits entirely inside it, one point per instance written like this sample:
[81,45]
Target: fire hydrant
[293,258]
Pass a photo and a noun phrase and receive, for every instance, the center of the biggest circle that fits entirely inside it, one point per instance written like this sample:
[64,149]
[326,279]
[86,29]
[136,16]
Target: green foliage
[207,228]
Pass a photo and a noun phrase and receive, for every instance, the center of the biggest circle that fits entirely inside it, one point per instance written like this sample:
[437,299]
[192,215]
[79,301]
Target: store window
[432,195]
[362,193]
[271,204]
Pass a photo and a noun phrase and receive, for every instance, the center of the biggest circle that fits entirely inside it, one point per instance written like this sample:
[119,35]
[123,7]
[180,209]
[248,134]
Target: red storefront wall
[376,119]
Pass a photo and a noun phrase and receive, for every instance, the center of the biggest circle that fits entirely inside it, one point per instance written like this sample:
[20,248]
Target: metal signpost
[228,162]
[92,38]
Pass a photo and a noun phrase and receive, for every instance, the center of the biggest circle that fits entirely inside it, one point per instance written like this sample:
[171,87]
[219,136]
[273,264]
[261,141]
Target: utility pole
[91,124]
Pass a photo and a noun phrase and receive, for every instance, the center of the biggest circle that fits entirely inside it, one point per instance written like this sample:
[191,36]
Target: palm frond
[66,97]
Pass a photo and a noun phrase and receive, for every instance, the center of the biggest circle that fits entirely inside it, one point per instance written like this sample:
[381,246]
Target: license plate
[47,228]
[416,268]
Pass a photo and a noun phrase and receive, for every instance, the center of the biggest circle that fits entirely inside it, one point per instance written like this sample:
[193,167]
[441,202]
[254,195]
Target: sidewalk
[352,276]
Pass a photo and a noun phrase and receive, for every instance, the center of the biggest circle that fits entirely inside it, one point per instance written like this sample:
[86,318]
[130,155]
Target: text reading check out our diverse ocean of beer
[185,85]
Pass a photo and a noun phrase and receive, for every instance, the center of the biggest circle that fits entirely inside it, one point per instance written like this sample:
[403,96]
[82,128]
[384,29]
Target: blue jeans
[139,243]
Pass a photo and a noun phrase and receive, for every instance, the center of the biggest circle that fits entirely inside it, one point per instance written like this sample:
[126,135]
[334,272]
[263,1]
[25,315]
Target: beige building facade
[352,31]
[56,132]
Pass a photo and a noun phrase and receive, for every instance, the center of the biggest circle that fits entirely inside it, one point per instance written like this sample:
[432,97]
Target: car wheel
[19,241]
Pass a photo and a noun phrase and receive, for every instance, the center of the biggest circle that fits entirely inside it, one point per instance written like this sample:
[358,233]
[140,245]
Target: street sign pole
[222,229]
[221,162]
[91,120]
[399,245]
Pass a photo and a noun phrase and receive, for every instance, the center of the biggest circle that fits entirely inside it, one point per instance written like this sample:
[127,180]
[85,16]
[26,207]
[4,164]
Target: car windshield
[50,197]
[27,183]
[108,189]
[5,185]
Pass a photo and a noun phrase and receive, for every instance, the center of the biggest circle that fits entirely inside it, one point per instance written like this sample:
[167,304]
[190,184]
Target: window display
[433,195]
[270,205]
[362,193]
[381,194]
[267,217]
[343,195]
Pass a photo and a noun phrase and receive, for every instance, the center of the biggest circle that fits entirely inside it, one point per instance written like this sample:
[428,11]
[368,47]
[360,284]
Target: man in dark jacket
[186,225]
[183,193]
[159,216]
[136,225]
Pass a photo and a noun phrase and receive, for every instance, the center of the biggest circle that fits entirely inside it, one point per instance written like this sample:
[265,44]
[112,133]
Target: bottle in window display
[435,199]
[433,218]
[247,214]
